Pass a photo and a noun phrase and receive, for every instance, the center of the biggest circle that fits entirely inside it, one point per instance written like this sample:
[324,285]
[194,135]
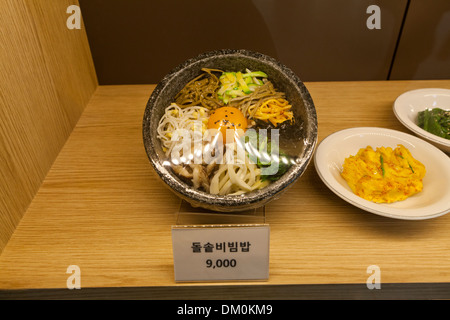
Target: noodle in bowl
[225,170]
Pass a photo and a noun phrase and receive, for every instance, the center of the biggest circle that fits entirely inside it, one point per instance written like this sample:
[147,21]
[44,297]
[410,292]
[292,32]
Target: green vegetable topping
[435,121]
[238,84]
[266,159]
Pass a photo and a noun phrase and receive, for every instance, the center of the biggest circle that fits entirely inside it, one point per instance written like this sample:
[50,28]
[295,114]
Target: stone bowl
[231,60]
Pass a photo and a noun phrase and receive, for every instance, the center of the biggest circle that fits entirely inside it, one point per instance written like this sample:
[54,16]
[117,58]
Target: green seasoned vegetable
[238,84]
[435,121]
[242,83]
[283,167]
[264,159]
[255,74]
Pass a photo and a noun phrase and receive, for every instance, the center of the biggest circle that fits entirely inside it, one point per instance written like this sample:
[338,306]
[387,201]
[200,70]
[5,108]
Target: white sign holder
[212,246]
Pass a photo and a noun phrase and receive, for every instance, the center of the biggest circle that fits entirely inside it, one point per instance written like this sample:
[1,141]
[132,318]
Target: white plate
[407,105]
[433,201]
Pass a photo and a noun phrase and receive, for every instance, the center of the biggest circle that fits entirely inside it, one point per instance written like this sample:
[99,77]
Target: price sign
[221,253]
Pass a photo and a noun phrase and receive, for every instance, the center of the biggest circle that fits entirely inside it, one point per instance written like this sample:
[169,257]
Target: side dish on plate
[435,121]
[399,156]
[426,113]
[384,175]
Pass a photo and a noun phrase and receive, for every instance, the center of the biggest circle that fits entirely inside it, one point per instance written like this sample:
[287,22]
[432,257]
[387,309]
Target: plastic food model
[384,175]
[216,117]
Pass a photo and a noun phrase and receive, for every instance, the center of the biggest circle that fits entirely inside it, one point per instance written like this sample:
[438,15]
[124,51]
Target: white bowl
[433,201]
[409,104]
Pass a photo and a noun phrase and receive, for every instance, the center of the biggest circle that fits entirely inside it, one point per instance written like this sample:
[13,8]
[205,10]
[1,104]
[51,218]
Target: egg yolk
[228,118]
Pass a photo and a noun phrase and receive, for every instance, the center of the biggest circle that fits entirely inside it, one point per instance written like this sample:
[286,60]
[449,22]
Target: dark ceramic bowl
[231,60]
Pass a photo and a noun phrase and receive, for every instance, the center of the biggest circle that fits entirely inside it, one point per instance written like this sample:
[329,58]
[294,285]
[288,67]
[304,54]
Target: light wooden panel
[46,79]
[67,55]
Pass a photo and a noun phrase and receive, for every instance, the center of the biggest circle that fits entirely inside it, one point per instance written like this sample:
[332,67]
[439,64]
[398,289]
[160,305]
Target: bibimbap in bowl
[230,130]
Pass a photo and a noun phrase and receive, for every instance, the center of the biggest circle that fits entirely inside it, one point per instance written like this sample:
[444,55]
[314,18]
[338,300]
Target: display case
[84,215]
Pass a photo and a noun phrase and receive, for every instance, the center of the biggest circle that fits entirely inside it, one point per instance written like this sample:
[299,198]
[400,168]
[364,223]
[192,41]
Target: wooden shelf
[102,207]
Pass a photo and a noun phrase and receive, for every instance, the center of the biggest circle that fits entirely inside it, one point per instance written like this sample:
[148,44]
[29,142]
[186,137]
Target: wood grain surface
[46,79]
[102,207]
